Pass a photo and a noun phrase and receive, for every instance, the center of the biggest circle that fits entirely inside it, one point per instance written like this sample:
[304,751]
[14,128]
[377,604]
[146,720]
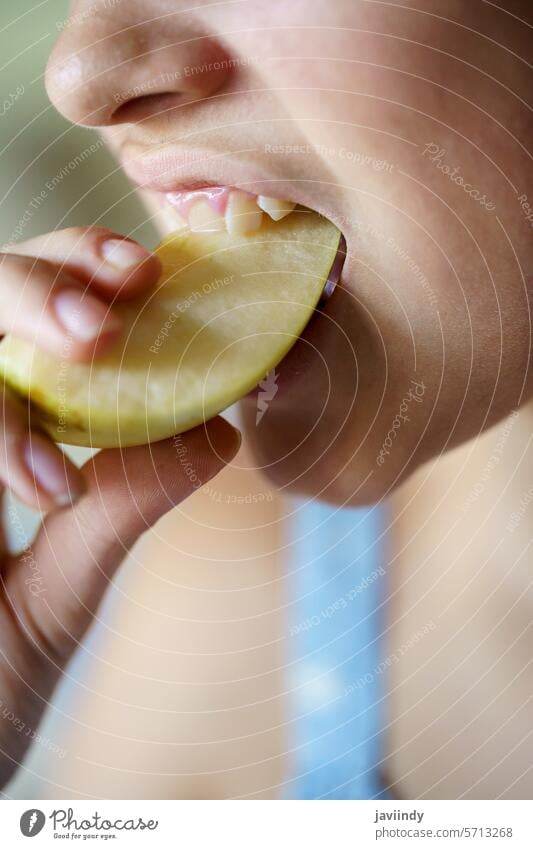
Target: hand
[49,593]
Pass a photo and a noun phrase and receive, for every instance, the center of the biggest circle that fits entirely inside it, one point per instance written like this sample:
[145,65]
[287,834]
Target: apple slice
[225,311]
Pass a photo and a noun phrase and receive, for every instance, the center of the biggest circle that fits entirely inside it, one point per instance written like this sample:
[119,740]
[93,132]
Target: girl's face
[409,126]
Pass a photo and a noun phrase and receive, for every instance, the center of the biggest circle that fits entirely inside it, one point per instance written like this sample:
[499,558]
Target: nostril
[132,71]
[146,106]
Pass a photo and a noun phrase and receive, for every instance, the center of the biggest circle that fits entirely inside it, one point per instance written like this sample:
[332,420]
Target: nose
[108,67]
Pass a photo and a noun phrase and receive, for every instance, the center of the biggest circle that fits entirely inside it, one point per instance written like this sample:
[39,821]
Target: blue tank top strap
[337,582]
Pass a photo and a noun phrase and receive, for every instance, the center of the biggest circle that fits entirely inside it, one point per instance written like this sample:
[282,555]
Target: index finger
[111,265]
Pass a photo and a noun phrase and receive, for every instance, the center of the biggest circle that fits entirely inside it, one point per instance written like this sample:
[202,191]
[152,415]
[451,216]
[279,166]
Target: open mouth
[196,190]
[240,213]
[209,190]
[217,208]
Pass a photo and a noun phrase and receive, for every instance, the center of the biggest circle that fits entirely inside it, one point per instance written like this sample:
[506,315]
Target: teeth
[213,210]
[242,214]
[172,220]
[276,208]
[204,219]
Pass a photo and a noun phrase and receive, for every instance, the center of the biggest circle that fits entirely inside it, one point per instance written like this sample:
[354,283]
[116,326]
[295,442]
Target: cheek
[422,348]
[449,297]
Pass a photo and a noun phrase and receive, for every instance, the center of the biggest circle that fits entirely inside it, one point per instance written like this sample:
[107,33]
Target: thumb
[77,551]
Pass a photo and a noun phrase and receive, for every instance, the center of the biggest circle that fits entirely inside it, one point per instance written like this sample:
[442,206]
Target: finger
[78,551]
[49,307]
[31,465]
[12,519]
[112,266]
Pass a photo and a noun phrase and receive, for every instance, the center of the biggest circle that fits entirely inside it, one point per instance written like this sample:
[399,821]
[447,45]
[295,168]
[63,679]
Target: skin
[345,108]
[465,333]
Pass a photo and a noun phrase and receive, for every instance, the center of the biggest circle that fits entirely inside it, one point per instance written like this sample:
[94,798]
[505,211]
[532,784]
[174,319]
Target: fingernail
[122,254]
[51,471]
[83,315]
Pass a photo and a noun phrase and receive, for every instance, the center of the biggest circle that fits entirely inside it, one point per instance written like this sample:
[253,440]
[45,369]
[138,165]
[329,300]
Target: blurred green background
[37,144]
[36,147]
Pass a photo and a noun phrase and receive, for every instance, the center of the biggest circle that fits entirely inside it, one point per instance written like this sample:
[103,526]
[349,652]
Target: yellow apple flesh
[224,313]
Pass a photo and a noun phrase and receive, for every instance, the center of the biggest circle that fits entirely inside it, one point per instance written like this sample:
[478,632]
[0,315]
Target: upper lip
[173,168]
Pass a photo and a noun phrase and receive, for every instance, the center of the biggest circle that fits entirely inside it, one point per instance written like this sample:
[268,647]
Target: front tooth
[172,219]
[242,214]
[204,219]
[276,208]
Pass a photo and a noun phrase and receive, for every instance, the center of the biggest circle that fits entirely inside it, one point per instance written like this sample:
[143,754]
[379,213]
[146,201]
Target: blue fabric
[338,585]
